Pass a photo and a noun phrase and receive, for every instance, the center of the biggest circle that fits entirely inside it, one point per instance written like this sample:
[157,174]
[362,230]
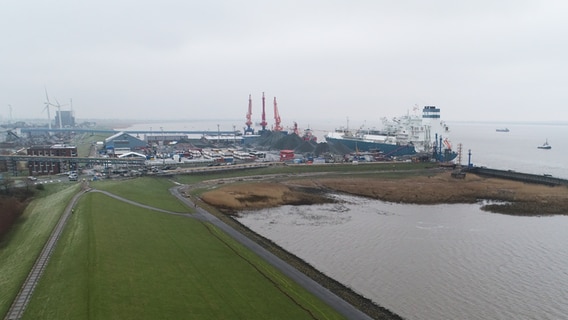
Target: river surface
[431,261]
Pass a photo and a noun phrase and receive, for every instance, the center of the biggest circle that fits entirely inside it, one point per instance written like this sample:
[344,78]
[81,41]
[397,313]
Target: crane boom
[277,120]
[248,129]
[249,113]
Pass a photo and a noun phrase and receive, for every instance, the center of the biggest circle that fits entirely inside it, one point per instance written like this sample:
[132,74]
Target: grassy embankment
[118,261]
[22,245]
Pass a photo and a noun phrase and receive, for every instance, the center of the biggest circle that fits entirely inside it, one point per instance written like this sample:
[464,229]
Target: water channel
[431,261]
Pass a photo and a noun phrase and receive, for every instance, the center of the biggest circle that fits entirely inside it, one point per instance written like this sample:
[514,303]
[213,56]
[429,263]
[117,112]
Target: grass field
[19,249]
[148,190]
[118,261]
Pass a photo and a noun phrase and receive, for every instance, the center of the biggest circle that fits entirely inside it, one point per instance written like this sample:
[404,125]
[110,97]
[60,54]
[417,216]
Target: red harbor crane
[263,123]
[277,120]
[248,129]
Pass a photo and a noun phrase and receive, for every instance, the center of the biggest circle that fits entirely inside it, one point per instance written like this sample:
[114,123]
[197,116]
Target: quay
[518,176]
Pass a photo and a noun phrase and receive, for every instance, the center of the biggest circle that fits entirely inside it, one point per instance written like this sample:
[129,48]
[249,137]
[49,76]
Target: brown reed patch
[521,198]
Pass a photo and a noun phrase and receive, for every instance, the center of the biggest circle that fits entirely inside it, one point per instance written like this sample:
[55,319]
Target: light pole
[218,136]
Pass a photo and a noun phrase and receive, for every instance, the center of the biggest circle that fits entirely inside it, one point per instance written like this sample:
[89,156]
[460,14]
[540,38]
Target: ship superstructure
[402,136]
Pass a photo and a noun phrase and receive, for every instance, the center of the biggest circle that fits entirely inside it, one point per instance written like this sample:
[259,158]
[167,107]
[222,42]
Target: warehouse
[122,142]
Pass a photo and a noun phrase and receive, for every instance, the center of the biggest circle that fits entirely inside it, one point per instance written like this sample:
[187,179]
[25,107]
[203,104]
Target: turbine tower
[57,105]
[47,105]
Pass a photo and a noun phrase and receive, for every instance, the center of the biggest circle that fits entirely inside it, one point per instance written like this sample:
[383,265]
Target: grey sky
[362,59]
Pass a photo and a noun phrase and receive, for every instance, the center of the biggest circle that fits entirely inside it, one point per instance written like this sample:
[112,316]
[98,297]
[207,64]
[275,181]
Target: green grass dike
[22,245]
[119,261]
[148,191]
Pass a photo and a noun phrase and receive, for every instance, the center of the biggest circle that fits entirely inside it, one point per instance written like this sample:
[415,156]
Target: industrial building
[164,139]
[122,142]
[51,166]
[67,119]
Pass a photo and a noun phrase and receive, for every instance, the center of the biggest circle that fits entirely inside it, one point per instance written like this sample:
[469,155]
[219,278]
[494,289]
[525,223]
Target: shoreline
[360,302]
[433,187]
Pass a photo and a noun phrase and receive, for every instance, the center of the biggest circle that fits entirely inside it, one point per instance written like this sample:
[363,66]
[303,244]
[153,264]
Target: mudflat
[508,197]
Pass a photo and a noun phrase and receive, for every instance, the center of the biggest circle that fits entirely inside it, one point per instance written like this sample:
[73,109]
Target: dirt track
[520,198]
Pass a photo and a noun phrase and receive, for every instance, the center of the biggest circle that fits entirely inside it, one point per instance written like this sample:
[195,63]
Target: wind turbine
[58,106]
[47,105]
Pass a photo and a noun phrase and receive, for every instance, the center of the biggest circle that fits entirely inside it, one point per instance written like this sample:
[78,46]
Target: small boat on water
[545,145]
[502,129]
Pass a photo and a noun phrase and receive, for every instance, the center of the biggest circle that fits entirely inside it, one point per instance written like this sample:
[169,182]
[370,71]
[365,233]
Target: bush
[11,210]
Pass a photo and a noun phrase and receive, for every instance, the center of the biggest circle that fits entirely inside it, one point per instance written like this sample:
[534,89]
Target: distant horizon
[142,121]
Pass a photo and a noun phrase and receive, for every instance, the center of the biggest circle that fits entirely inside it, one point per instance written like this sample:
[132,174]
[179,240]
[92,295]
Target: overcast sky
[482,60]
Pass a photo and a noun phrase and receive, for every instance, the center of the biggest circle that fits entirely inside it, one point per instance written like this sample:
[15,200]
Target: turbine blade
[46,95]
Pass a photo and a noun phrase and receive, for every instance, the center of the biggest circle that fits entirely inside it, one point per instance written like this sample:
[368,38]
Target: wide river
[431,261]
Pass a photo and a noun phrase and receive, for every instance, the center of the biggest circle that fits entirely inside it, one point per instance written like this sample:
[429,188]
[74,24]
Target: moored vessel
[402,136]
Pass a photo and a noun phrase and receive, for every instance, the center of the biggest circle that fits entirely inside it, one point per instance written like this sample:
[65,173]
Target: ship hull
[391,150]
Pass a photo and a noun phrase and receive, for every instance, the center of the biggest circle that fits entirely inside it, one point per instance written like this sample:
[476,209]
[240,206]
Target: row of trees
[12,203]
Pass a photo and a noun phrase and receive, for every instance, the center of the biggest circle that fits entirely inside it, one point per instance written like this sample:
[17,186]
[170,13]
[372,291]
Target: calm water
[431,262]
[515,150]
